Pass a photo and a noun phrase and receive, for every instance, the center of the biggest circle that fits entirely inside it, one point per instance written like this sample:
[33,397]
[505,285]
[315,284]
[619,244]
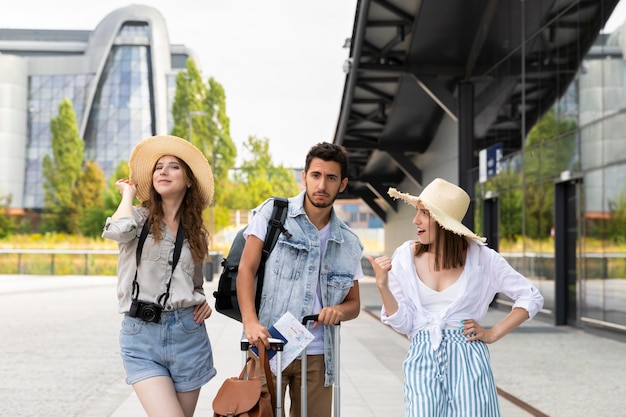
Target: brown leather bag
[239,396]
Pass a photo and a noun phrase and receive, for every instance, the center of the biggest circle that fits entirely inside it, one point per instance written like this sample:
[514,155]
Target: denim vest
[293,268]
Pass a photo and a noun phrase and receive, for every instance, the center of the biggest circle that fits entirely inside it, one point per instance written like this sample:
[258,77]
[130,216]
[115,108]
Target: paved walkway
[59,357]
[540,369]
[371,356]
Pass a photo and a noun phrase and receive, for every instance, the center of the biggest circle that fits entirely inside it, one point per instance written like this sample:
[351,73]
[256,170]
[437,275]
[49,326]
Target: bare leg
[159,398]
[188,401]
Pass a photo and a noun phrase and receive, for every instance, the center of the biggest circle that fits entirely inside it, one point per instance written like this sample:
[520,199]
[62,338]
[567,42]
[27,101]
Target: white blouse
[486,273]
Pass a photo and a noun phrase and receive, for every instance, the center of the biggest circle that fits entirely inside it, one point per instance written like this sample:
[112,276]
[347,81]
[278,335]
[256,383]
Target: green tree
[62,171]
[218,126]
[260,178]
[7,224]
[105,202]
[199,112]
[88,200]
[617,221]
[549,151]
[508,185]
[187,107]
[111,196]
[539,199]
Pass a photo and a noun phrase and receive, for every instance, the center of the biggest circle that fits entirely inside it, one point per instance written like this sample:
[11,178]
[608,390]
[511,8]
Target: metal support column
[566,235]
[491,221]
[466,145]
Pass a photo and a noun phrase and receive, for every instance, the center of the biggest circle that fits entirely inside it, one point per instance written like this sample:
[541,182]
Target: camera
[149,312]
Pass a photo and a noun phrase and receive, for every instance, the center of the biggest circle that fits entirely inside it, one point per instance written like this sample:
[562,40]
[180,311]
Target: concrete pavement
[371,375]
[59,357]
[540,370]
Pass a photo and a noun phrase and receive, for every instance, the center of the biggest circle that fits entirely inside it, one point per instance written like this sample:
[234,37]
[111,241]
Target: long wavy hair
[189,215]
[450,249]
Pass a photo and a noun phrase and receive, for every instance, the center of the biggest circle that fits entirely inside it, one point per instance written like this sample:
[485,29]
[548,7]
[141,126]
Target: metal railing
[80,260]
[76,262]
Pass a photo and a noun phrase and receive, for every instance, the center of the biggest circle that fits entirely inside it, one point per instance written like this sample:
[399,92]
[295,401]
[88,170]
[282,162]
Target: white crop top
[437,301]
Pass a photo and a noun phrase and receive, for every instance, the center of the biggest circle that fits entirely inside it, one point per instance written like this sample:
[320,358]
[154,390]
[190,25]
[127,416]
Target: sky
[617,17]
[279,61]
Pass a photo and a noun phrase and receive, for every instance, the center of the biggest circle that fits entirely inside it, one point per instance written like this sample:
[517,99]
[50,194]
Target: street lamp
[189,116]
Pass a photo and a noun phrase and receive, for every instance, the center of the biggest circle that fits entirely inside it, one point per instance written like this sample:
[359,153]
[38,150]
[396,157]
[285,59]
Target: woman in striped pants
[436,289]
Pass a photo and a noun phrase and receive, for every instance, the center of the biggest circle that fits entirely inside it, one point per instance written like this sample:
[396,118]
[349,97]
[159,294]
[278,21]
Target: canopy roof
[408,58]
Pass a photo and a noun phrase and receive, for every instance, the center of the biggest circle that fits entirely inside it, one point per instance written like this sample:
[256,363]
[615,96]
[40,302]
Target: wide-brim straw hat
[146,154]
[447,204]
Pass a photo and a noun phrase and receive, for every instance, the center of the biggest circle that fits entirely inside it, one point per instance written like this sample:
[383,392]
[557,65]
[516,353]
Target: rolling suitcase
[336,384]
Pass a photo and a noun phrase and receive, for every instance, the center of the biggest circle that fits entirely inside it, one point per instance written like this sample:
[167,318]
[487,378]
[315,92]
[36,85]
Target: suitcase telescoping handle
[313,317]
[278,345]
[336,385]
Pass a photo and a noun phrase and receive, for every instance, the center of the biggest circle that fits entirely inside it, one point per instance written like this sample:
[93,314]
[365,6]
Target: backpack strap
[275,226]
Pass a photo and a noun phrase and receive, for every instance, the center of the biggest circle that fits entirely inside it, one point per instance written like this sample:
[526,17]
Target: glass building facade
[121,109]
[561,201]
[120,79]
[43,103]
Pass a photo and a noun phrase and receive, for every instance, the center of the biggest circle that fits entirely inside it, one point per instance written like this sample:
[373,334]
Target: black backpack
[226,294]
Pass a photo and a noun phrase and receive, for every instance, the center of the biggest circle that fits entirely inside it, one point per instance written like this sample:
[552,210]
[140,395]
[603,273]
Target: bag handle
[271,388]
[264,358]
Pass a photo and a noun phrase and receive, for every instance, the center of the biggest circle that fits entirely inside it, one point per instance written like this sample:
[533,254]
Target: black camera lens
[149,313]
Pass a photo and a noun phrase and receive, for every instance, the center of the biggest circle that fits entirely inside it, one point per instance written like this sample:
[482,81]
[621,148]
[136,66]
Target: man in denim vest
[314,269]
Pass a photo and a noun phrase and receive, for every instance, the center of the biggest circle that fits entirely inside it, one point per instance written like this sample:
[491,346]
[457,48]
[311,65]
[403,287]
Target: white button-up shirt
[486,274]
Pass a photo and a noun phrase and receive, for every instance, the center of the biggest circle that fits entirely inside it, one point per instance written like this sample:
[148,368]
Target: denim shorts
[176,347]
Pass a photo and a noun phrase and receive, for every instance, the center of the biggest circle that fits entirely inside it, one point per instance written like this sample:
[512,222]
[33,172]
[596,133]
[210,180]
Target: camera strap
[178,246]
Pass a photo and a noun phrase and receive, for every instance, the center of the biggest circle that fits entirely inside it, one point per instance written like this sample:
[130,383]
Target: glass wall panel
[615,254]
[580,142]
[604,291]
[121,114]
[44,97]
[593,270]
[614,138]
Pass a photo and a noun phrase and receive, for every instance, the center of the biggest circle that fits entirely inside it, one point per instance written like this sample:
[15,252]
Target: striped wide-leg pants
[453,381]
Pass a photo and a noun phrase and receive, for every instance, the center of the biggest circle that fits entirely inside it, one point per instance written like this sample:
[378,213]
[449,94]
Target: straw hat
[447,204]
[146,154]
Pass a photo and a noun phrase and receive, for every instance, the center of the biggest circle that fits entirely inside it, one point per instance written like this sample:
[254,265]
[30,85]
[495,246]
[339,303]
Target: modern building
[120,78]
[454,89]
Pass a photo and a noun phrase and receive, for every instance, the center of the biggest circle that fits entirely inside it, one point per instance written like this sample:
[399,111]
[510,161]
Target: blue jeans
[176,347]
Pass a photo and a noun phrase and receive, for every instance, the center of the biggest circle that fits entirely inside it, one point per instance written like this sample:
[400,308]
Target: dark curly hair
[328,152]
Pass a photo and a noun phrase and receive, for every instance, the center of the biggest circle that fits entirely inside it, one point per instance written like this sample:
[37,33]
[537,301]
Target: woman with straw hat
[164,344]
[436,289]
